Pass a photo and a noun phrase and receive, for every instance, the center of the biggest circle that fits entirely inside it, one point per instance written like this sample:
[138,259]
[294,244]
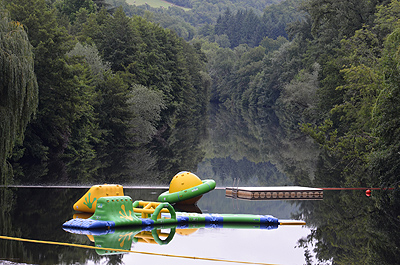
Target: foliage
[146,105]
[335,75]
[71,7]
[92,57]
[94,113]
[18,87]
[115,115]
[203,16]
[124,97]
[242,28]
[298,99]
[386,116]
[246,27]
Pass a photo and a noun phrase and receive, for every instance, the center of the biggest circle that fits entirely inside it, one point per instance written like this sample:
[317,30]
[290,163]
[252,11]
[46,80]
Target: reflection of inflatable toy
[186,231]
[88,202]
[155,236]
[120,211]
[186,187]
[117,240]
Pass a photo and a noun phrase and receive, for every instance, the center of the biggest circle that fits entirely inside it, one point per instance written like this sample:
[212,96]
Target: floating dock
[275,193]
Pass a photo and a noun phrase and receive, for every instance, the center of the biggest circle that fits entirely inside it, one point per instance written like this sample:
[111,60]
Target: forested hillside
[333,79]
[18,88]
[114,92]
[122,86]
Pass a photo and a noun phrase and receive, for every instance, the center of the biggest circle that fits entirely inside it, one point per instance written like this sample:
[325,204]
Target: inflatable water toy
[186,187]
[89,201]
[120,211]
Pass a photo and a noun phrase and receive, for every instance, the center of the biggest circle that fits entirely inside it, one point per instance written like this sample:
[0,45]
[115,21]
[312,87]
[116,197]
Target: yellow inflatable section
[186,188]
[184,180]
[88,202]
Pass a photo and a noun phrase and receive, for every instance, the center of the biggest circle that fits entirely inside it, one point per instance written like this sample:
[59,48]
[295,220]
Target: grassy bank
[154,3]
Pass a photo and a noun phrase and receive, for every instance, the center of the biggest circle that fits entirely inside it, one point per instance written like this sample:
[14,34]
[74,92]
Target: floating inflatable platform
[88,201]
[120,211]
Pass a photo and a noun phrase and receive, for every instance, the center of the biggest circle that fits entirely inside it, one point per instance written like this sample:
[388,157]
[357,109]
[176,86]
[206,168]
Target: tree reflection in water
[350,228]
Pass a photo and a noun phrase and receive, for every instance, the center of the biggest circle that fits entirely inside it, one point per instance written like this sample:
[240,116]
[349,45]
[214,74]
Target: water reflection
[347,227]
[253,145]
[116,241]
[38,213]
[35,213]
[119,240]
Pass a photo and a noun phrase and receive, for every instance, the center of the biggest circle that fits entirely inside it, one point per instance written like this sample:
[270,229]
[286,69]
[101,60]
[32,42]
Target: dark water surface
[345,226]
[38,213]
[257,146]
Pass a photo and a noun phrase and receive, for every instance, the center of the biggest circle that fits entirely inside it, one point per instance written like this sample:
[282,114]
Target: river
[345,227]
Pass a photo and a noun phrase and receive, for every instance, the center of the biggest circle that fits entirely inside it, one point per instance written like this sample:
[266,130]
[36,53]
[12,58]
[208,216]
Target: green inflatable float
[186,188]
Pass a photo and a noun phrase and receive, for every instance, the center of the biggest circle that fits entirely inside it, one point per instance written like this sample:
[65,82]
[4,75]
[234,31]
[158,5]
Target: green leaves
[386,163]
[146,105]
[71,7]
[125,85]
[18,87]
[246,27]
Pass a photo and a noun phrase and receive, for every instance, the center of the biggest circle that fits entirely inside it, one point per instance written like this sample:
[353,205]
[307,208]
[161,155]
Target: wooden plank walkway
[275,193]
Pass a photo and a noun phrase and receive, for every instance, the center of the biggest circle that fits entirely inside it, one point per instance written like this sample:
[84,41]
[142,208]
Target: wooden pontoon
[275,193]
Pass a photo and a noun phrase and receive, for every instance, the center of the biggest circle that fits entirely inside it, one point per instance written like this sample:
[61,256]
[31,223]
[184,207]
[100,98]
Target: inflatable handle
[135,204]
[162,206]
[165,241]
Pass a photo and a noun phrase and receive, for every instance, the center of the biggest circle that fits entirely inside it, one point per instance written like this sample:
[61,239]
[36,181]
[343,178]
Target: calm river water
[38,213]
[345,227]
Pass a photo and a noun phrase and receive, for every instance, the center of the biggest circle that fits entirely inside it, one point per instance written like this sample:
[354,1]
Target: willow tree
[18,87]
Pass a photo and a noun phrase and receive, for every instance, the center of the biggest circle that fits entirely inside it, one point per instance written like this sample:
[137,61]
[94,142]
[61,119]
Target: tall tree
[117,39]
[115,117]
[70,7]
[18,86]
[386,161]
[64,95]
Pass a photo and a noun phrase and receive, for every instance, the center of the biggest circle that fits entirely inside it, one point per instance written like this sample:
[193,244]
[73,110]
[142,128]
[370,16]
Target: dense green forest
[110,85]
[114,92]
[304,92]
[333,79]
